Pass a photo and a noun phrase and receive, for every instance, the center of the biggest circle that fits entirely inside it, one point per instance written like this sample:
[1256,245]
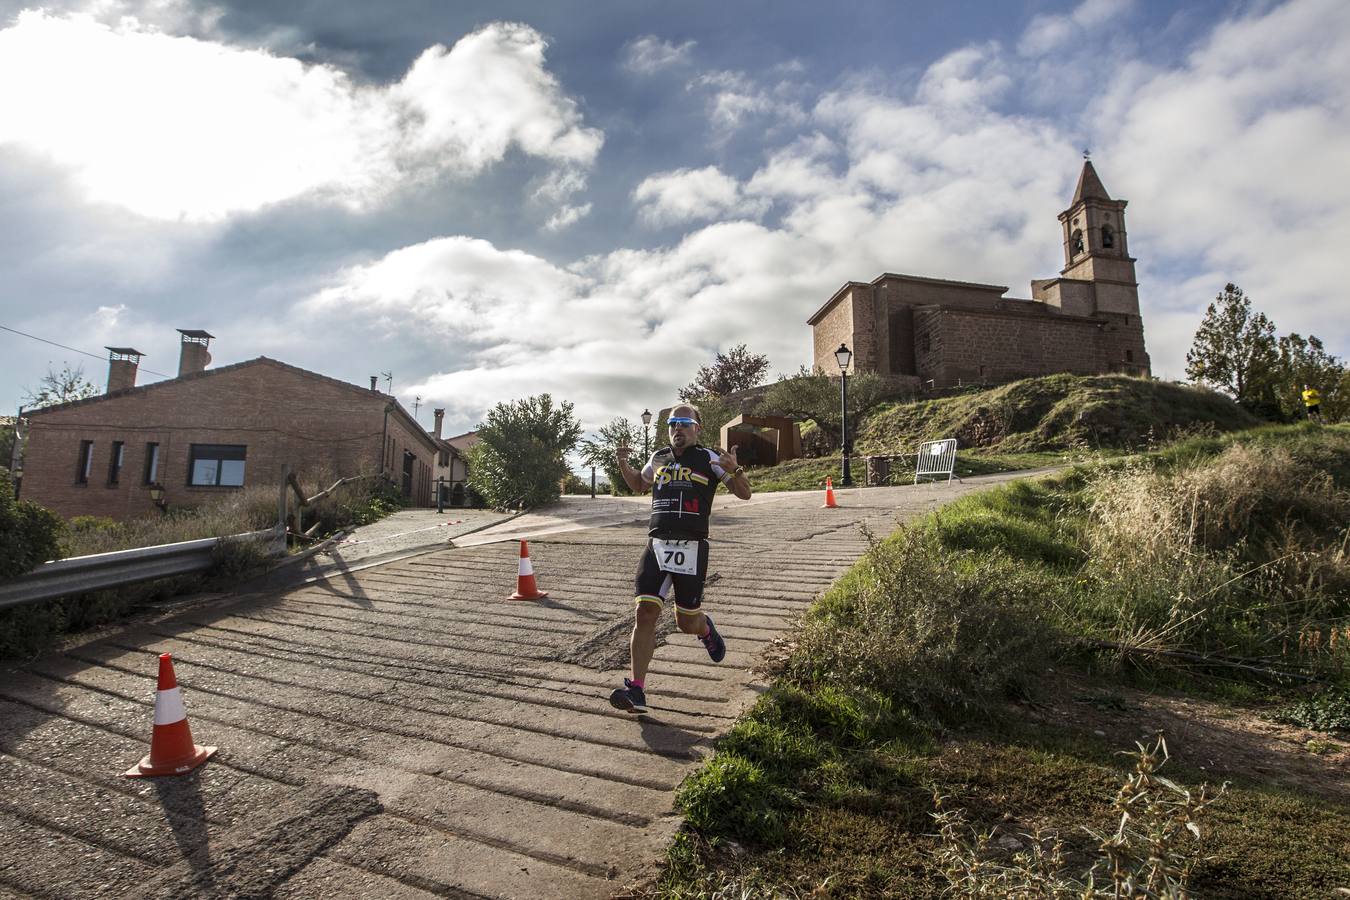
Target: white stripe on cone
[526,568]
[169,707]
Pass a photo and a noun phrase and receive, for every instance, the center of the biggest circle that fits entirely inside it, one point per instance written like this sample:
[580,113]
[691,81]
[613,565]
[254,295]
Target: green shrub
[1328,711]
[519,459]
[732,795]
[351,505]
[943,633]
[29,534]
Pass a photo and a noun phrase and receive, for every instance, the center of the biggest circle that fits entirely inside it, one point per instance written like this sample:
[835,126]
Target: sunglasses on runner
[680,420]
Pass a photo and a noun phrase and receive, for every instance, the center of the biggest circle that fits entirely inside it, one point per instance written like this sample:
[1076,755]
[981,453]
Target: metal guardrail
[104,570]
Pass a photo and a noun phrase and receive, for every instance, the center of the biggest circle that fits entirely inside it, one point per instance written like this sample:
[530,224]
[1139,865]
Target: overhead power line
[72,349]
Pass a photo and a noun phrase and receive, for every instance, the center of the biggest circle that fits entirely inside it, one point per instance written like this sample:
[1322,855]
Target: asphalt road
[403,730]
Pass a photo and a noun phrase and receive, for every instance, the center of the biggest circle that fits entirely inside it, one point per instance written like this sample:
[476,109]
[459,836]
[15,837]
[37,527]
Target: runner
[1312,400]
[683,479]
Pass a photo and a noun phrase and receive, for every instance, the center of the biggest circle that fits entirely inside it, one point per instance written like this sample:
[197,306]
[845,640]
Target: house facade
[212,431]
[941,333]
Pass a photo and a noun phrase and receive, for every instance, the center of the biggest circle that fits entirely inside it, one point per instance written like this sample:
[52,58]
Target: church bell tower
[1096,247]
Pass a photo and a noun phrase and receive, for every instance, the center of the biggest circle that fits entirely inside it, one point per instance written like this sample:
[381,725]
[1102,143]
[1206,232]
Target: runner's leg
[689,616]
[650,586]
[642,643]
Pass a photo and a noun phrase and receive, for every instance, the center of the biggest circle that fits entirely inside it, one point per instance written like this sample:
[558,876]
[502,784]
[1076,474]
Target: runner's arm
[732,474]
[631,476]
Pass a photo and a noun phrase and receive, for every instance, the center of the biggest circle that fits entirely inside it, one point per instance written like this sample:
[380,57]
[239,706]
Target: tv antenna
[389,381]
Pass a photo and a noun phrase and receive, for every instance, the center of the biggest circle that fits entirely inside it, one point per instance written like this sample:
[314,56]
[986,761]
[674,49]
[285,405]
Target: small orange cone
[829,495]
[526,589]
[171,749]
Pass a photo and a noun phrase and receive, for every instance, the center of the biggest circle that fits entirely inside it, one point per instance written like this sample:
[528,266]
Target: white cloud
[649,54]
[180,128]
[566,216]
[1051,32]
[554,191]
[1230,163]
[1233,166]
[691,195]
[735,99]
[971,76]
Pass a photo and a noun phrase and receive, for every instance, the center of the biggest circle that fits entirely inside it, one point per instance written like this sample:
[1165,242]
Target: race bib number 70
[676,557]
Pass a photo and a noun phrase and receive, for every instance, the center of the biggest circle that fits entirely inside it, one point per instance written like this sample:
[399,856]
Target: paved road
[402,730]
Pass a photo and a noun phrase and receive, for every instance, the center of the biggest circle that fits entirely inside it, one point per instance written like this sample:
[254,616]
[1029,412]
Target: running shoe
[717,648]
[629,698]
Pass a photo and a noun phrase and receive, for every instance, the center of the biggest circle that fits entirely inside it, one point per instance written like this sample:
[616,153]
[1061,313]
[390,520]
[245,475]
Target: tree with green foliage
[7,438]
[61,387]
[519,459]
[735,370]
[601,451]
[29,533]
[1235,351]
[813,396]
[1307,362]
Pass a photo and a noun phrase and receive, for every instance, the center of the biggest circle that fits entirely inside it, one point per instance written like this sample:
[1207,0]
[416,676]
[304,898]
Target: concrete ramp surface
[404,730]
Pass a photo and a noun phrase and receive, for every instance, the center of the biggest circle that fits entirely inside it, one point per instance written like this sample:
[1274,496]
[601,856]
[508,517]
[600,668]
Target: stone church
[943,333]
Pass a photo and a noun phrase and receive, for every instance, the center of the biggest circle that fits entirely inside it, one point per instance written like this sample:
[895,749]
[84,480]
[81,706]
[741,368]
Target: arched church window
[1076,242]
[1108,237]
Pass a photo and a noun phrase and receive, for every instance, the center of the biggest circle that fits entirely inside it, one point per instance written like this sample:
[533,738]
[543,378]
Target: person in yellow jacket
[1312,401]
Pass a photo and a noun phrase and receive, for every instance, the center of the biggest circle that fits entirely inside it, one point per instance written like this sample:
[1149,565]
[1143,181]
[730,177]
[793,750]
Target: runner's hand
[727,460]
[624,453]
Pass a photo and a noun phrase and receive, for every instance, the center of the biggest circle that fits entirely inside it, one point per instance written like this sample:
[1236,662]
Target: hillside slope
[1054,412]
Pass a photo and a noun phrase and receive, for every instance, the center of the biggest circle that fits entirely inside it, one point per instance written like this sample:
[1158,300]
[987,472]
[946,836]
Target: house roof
[818,314]
[463,441]
[897,276]
[234,367]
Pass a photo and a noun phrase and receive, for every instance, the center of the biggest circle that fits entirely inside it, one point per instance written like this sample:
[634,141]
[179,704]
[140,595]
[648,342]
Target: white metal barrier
[936,458]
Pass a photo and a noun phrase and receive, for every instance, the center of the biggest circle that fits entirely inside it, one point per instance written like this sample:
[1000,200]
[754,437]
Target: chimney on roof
[373,379]
[440,420]
[122,365]
[192,356]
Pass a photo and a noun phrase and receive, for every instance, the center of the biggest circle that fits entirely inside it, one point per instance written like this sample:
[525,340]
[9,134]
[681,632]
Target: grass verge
[810,474]
[905,680]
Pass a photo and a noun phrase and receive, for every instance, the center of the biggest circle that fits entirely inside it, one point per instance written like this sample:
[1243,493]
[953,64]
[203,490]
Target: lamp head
[843,356]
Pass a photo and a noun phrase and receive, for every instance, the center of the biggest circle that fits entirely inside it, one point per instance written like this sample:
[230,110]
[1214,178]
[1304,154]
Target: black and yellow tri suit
[683,487]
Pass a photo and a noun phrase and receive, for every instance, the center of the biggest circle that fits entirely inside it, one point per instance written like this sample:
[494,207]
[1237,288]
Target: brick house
[210,431]
[940,332]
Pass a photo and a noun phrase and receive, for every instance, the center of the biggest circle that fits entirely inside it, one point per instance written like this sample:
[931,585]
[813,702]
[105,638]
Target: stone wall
[835,327]
[965,345]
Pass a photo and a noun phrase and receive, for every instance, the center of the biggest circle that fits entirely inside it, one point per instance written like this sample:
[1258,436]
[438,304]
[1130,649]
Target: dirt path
[402,730]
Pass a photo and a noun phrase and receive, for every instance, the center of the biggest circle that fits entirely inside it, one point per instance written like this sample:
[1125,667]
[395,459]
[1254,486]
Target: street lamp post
[646,435]
[843,356]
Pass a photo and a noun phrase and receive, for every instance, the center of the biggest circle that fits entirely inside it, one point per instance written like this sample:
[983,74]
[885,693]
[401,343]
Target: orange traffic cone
[171,749]
[829,495]
[526,589]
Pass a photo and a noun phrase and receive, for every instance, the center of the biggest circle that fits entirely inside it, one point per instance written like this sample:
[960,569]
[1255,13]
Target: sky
[494,200]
